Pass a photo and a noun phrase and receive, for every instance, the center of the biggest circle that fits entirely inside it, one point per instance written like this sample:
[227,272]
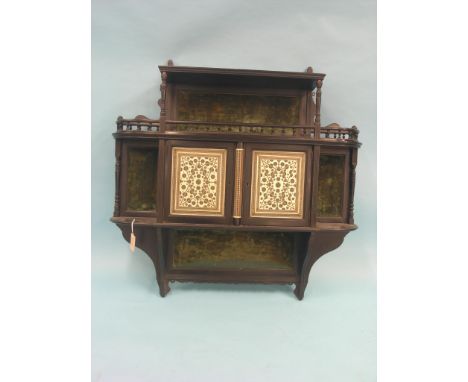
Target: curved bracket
[150,241]
[319,243]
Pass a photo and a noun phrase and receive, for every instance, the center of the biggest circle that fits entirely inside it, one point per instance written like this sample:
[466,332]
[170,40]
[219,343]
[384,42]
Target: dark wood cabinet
[237,181]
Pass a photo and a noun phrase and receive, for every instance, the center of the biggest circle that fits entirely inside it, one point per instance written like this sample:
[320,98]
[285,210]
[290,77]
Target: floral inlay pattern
[278,184]
[198,177]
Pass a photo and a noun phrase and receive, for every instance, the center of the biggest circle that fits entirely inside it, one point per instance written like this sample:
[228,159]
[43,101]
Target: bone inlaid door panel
[199,184]
[198,181]
[277,183]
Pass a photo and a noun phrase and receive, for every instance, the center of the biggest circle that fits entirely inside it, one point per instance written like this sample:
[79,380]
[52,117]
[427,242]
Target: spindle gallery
[237,181]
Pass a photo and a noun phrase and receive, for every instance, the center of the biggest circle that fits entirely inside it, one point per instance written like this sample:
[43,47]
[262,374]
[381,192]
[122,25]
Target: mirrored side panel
[139,179]
[141,183]
[211,106]
[216,106]
[331,187]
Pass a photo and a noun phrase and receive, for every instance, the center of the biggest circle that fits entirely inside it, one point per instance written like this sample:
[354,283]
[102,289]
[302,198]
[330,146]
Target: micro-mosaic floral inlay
[198,177]
[278,186]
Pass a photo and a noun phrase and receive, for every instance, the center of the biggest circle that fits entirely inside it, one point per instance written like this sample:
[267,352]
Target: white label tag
[132,238]
[132,242]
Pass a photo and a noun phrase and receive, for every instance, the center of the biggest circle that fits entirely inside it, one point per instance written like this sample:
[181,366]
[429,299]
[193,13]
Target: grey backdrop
[232,333]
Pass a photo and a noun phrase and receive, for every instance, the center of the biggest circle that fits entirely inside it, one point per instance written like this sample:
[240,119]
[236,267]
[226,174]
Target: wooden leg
[164,288]
[150,241]
[158,260]
[299,291]
[319,243]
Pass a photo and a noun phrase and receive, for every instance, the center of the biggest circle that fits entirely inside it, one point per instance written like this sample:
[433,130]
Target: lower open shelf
[200,249]
[232,254]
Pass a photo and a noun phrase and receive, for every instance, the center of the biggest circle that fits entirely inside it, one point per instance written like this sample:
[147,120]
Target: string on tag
[132,238]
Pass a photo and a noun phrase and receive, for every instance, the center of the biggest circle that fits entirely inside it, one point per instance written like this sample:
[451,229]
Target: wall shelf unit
[237,181]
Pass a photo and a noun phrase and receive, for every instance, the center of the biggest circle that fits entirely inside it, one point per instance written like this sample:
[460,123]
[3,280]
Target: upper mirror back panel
[215,106]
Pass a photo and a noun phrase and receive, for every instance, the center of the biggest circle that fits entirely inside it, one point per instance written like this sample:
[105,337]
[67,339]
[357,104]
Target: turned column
[161,149]
[352,184]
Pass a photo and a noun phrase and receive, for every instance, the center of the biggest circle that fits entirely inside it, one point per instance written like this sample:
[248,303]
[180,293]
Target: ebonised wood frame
[313,236]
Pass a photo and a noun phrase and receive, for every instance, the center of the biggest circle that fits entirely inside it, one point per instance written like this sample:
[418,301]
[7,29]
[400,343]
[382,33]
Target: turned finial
[119,123]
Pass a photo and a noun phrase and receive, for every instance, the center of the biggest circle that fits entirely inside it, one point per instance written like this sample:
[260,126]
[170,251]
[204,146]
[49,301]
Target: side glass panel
[331,183]
[141,180]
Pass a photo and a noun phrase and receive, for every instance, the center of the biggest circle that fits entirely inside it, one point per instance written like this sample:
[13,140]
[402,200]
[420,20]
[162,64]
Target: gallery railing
[332,132]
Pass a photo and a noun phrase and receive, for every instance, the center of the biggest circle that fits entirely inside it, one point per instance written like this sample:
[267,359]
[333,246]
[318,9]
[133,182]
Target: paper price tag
[132,239]
[132,242]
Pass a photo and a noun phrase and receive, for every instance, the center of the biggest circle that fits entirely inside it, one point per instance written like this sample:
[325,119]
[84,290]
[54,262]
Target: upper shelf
[241,77]
[217,103]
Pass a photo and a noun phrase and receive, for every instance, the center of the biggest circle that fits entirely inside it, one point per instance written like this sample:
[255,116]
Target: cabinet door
[200,181]
[277,185]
